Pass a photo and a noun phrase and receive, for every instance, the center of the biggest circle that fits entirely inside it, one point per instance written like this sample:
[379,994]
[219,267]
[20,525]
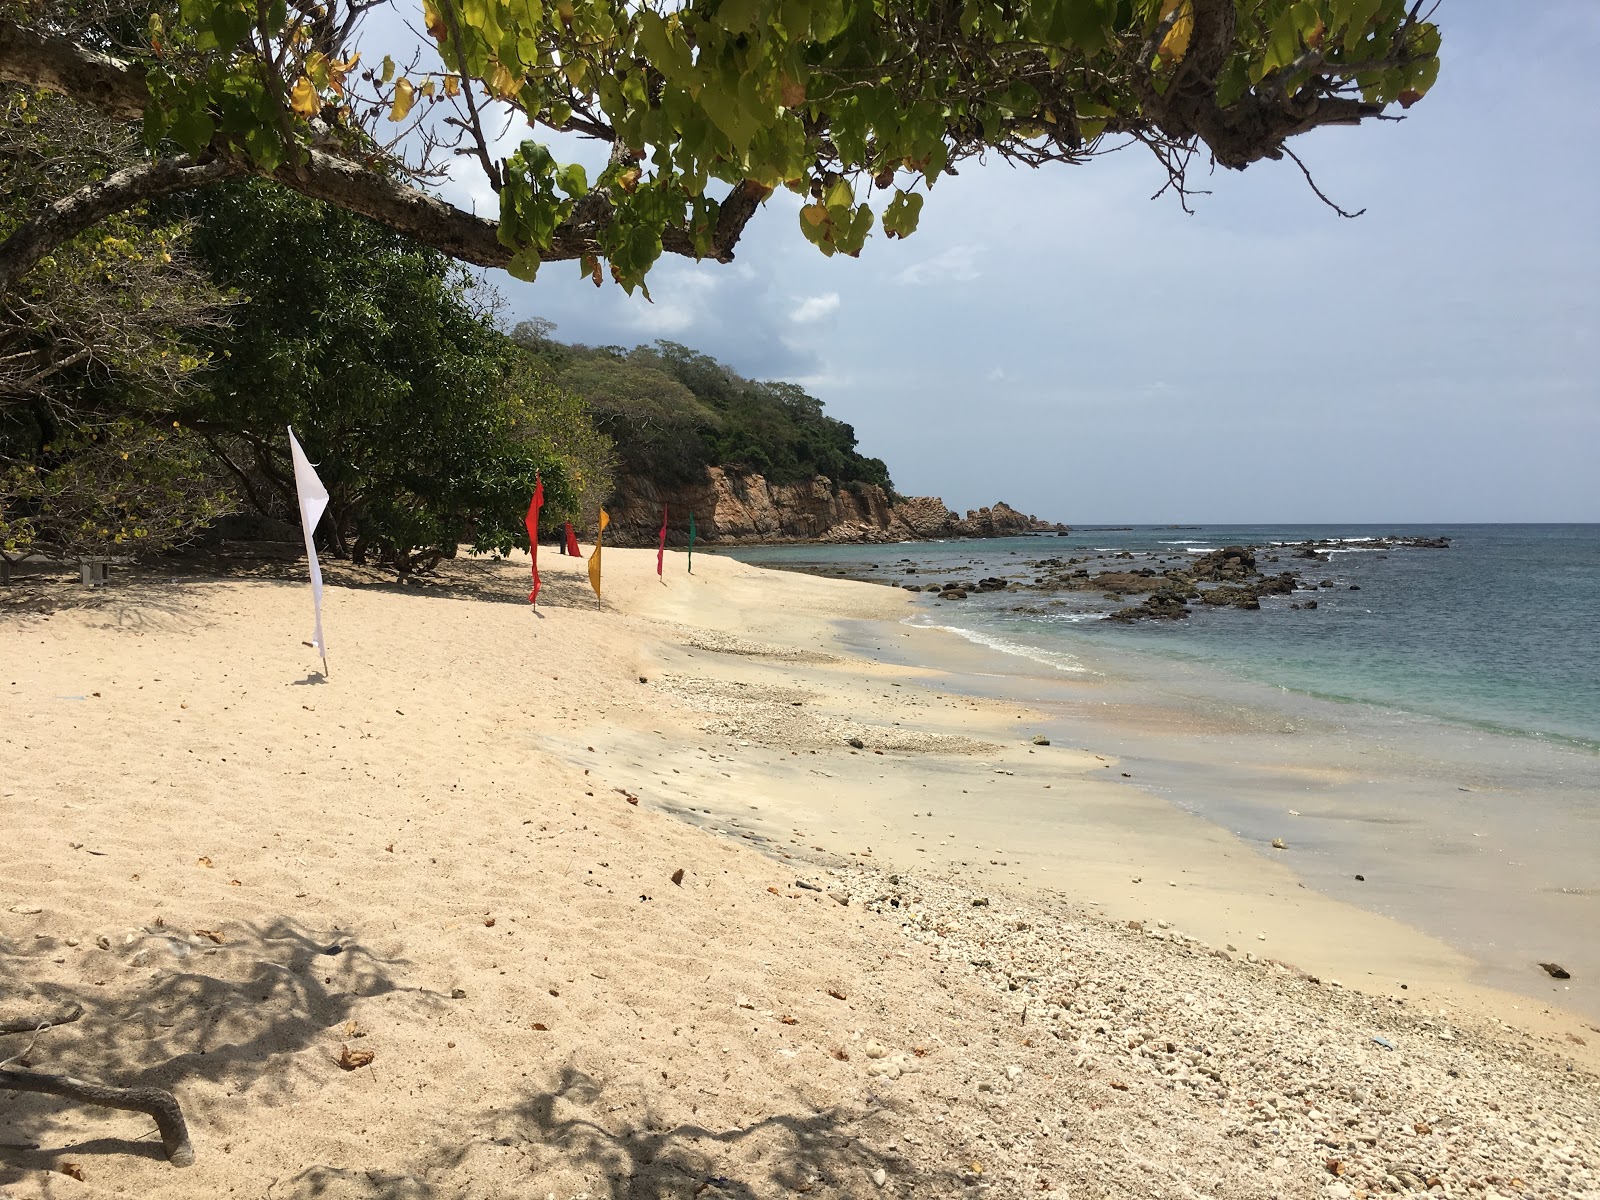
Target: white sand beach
[946,961]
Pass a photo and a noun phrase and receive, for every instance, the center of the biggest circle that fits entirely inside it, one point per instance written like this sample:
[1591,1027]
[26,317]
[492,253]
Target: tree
[430,424]
[94,345]
[671,412]
[706,106]
[123,488]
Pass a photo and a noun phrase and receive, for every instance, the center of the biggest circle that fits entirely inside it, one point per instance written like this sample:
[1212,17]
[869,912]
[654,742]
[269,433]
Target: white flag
[313,500]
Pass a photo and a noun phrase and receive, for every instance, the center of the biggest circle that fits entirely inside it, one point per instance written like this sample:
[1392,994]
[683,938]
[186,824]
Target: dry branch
[67,1015]
[153,1102]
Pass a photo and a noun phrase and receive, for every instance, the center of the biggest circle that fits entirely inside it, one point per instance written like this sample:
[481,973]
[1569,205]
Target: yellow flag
[594,559]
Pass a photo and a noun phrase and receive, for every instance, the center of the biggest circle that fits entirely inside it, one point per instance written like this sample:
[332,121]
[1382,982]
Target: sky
[1059,340]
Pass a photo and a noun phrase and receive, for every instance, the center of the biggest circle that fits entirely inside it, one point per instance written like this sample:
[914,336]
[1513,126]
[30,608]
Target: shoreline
[483,810]
[1437,833]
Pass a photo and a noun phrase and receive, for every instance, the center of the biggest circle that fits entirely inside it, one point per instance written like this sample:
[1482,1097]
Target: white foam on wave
[1050,658]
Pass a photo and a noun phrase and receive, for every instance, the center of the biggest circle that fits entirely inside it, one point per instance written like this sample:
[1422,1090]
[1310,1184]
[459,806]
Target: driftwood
[153,1102]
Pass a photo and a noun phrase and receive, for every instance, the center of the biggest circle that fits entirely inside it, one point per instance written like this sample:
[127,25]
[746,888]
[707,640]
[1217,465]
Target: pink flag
[534,506]
[661,550]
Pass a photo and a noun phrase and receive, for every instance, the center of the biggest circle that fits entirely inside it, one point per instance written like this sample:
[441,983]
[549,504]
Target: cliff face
[736,507]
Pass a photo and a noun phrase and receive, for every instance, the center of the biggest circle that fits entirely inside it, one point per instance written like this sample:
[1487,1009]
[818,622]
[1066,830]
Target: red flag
[661,550]
[534,506]
[572,542]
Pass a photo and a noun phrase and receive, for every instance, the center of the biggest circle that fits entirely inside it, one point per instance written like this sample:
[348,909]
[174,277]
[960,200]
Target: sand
[458,854]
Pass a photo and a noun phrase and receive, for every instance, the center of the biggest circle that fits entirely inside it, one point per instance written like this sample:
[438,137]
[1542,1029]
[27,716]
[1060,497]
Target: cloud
[814,308]
[955,265]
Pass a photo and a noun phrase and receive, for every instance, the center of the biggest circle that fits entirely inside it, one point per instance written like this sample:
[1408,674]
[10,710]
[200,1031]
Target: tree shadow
[233,1014]
[654,1157]
[141,604]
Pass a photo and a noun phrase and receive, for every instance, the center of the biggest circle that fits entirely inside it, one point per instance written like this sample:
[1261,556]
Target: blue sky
[1059,340]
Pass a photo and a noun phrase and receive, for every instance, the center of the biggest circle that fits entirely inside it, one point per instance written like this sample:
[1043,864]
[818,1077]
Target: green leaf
[901,217]
[229,25]
[573,180]
[193,129]
[524,264]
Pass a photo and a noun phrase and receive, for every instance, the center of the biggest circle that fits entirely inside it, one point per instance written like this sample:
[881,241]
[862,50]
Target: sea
[1501,631]
[1426,735]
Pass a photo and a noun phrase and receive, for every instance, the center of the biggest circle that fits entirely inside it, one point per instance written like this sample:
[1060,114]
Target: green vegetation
[429,424]
[149,366]
[672,412]
[706,107]
[96,345]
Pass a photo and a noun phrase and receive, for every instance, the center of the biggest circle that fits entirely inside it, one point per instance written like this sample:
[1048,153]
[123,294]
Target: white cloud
[955,265]
[814,308]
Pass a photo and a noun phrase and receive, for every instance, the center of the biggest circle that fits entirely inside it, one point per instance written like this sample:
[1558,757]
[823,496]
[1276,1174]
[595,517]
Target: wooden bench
[92,570]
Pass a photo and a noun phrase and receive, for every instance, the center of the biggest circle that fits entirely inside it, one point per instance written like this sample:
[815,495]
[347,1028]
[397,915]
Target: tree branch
[57,65]
[118,89]
[66,218]
[153,1102]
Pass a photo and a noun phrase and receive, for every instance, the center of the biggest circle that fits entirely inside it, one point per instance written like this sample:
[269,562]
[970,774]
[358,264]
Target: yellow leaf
[1176,44]
[452,85]
[427,89]
[815,214]
[404,97]
[434,20]
[503,83]
[303,98]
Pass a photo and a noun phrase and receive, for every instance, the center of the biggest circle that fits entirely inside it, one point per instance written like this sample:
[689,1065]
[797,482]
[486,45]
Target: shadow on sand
[233,1016]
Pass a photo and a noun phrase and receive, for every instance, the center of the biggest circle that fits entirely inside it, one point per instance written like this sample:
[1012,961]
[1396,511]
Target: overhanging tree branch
[66,218]
[118,89]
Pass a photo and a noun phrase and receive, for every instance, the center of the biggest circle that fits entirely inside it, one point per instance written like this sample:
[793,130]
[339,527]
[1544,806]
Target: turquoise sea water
[1500,632]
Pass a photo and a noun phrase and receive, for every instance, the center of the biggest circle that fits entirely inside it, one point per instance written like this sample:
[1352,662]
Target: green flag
[691,543]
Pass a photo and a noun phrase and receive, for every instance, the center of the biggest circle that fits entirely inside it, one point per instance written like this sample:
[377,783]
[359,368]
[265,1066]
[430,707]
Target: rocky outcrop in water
[733,506]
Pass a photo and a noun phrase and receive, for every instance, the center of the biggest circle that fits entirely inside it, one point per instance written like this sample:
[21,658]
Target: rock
[1163,606]
[880,1176]
[953,594]
[1231,562]
[1040,740]
[856,742]
[1556,971]
[875,1049]
[1014,1073]
[1279,844]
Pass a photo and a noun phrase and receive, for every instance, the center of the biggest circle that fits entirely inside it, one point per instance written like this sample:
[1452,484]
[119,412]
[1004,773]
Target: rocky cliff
[731,506]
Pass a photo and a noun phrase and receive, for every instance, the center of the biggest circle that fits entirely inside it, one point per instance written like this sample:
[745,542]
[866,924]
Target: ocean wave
[1050,658]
